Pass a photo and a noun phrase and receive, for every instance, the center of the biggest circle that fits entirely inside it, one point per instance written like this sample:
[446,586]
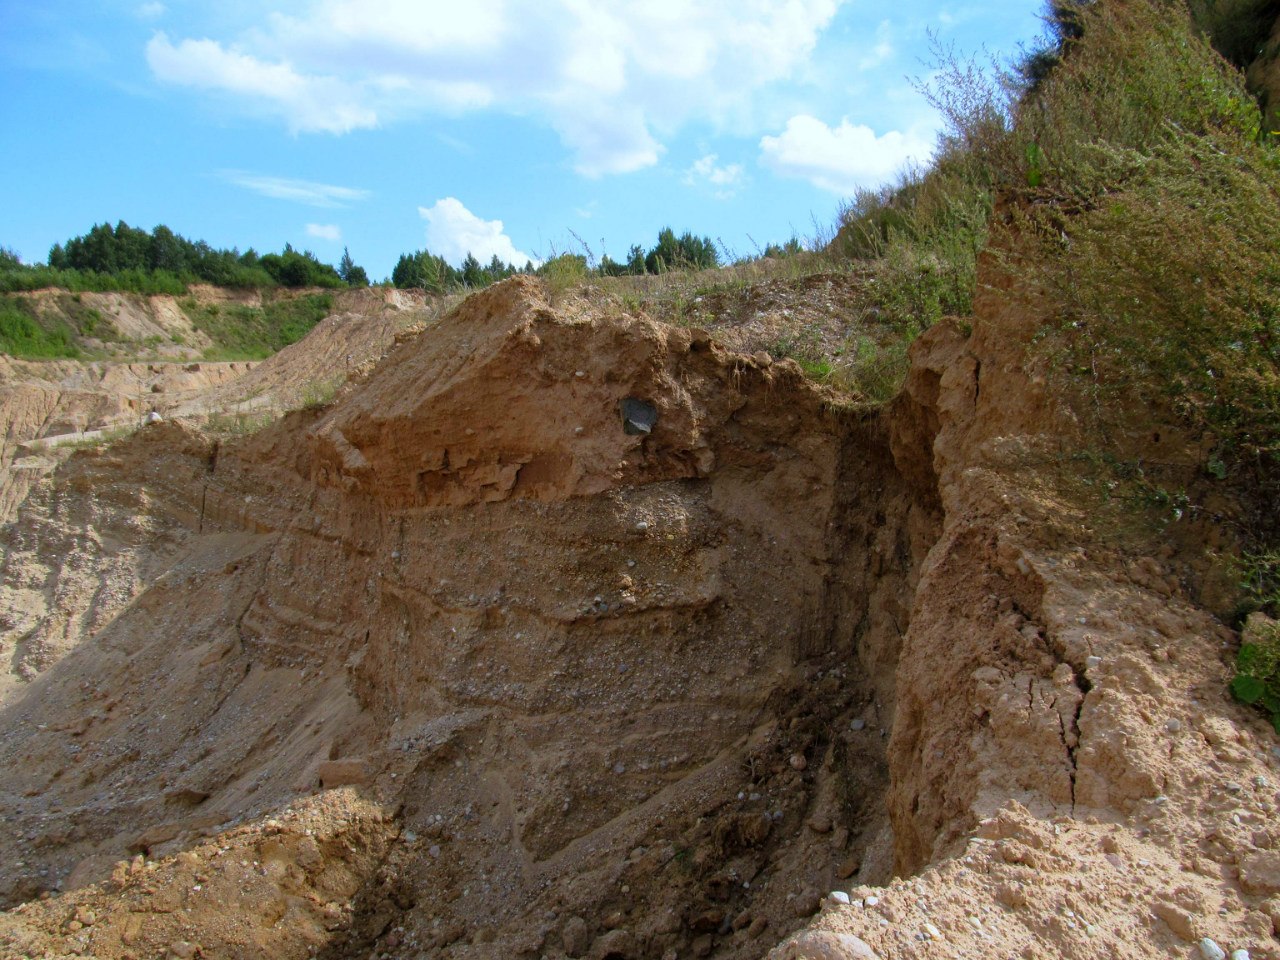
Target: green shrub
[563,273]
[877,370]
[1260,582]
[1257,679]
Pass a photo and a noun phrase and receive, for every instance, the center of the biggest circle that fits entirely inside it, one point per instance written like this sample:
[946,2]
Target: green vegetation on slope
[242,332]
[23,337]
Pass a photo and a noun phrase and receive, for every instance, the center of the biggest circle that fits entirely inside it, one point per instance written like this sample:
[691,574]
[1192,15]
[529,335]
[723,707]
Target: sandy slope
[460,666]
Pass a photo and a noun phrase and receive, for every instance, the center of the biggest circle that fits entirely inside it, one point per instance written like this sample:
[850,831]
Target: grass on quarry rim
[242,332]
[864,359]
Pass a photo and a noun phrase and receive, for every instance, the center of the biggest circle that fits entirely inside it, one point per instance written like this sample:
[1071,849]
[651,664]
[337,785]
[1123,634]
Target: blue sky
[498,126]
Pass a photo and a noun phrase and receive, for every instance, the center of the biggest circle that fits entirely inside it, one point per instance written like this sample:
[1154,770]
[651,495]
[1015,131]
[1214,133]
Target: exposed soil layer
[568,635]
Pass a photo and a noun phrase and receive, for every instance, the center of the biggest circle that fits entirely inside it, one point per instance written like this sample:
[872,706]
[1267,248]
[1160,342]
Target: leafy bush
[1257,679]
[1260,582]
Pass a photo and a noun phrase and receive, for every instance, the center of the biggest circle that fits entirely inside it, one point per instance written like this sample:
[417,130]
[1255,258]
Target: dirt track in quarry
[465,665]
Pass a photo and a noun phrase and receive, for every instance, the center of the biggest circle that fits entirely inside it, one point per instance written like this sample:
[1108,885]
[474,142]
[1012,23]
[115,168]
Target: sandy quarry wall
[583,691]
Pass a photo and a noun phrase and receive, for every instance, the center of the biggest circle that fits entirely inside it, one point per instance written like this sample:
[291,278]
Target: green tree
[472,273]
[351,274]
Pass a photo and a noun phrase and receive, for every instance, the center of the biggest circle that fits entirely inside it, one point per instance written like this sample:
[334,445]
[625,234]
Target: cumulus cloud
[613,80]
[306,102]
[724,181]
[453,231]
[841,159]
[325,231]
[300,191]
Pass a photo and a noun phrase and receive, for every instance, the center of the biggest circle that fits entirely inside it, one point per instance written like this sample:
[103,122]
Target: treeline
[129,259]
[423,269]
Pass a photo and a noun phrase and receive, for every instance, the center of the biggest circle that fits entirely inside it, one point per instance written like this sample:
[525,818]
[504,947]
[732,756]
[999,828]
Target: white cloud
[725,181]
[150,11]
[613,80]
[300,191]
[325,231]
[842,159]
[453,231]
[883,49]
[307,102]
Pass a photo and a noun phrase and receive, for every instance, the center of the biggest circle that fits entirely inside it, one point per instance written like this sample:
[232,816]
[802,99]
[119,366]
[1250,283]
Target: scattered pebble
[838,896]
[932,932]
[1211,951]
[1092,663]
[1173,726]
[858,724]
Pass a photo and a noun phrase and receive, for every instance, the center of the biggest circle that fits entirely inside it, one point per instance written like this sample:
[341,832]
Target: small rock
[1211,951]
[1239,955]
[825,945]
[932,932]
[838,896]
[1181,922]
[806,904]
[798,762]
[574,937]
[642,526]
[819,823]
[86,916]
[857,724]
[183,949]
[1012,894]
[1260,872]
[1173,725]
[848,868]
[1092,663]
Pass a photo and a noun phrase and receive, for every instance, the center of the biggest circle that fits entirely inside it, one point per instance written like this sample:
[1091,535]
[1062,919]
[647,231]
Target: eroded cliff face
[577,601]
[568,634]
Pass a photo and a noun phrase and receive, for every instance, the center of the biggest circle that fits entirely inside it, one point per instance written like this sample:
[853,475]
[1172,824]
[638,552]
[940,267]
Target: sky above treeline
[521,128]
